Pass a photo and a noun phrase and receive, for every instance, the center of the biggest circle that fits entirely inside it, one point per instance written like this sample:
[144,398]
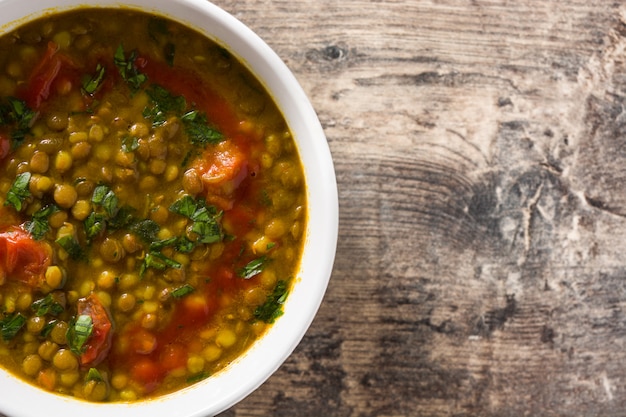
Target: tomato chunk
[223,168]
[99,343]
[42,79]
[23,258]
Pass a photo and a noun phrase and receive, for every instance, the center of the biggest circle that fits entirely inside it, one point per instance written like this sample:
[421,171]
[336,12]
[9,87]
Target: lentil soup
[152,205]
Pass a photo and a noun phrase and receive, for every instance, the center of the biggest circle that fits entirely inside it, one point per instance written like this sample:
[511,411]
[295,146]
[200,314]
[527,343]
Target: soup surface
[152,205]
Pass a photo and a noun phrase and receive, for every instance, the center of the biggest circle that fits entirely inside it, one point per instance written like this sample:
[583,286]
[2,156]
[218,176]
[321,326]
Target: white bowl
[223,390]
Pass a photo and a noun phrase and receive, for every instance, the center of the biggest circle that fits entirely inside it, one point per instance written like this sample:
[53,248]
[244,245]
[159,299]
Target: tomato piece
[173,356]
[223,168]
[23,258]
[46,72]
[98,344]
[147,372]
[143,342]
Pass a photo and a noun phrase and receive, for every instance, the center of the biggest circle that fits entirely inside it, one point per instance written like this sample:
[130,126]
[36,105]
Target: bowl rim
[229,386]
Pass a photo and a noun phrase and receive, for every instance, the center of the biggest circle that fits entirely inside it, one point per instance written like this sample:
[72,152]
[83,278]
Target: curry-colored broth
[146,241]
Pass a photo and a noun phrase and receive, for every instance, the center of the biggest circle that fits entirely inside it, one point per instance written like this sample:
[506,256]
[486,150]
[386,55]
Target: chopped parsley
[71,246]
[94,224]
[130,143]
[16,113]
[19,191]
[93,375]
[38,225]
[105,198]
[146,229]
[273,306]
[47,328]
[78,332]
[253,268]
[163,103]
[205,219]
[157,260]
[185,206]
[127,68]
[198,130]
[47,305]
[92,83]
[182,291]
[10,325]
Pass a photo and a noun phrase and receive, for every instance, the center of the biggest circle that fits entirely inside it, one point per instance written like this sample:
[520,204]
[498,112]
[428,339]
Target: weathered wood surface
[480,149]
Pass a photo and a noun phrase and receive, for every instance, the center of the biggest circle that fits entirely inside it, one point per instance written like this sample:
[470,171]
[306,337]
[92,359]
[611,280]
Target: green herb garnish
[38,226]
[253,268]
[47,328]
[11,325]
[184,245]
[198,130]
[93,375]
[163,104]
[94,225]
[272,308]
[205,219]
[104,197]
[130,143]
[19,191]
[182,291]
[78,332]
[92,83]
[71,246]
[185,206]
[146,229]
[47,305]
[127,68]
[158,261]
[15,112]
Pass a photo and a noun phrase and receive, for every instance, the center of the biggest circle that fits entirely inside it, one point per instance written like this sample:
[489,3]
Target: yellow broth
[152,205]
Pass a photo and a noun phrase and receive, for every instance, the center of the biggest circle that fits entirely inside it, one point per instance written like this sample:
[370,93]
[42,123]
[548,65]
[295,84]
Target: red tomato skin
[99,343]
[23,258]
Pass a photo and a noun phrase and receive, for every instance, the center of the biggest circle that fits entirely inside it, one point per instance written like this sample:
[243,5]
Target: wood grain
[480,152]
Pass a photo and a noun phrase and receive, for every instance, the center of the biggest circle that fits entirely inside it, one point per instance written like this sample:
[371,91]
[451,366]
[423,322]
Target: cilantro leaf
[130,143]
[208,231]
[184,245]
[199,131]
[252,268]
[158,261]
[19,191]
[185,206]
[78,332]
[38,226]
[71,246]
[93,375]
[92,83]
[11,325]
[47,305]
[127,68]
[272,308]
[182,291]
[15,112]
[166,101]
[146,229]
[94,224]
[104,197]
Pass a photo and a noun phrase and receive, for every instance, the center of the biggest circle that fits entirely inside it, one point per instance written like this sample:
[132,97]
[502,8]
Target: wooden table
[480,151]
